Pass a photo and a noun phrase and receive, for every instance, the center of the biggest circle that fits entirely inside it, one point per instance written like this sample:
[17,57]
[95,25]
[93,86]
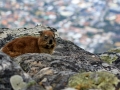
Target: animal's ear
[41,32]
[52,29]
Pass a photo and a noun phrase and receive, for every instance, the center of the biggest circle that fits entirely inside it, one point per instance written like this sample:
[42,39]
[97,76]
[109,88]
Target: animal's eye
[46,37]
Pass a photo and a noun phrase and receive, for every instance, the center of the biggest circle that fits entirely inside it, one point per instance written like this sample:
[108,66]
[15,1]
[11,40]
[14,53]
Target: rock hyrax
[45,43]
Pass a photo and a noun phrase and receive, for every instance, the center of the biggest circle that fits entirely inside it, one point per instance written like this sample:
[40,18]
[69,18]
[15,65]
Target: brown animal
[43,44]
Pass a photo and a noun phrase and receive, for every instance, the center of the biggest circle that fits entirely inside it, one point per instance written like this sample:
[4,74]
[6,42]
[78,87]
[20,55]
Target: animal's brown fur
[43,44]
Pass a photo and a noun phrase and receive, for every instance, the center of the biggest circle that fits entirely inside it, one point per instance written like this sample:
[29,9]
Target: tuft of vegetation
[108,58]
[115,50]
[93,80]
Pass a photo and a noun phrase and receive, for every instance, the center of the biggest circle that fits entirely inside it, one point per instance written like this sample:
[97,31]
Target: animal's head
[48,38]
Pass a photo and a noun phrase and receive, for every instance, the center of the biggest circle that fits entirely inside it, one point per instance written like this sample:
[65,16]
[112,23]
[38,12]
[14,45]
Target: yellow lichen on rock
[93,80]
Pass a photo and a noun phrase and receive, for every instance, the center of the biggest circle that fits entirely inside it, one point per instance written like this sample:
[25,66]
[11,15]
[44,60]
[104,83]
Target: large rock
[8,69]
[53,71]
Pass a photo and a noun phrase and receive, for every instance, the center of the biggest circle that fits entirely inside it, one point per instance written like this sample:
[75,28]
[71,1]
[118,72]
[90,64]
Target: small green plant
[116,50]
[108,58]
[93,80]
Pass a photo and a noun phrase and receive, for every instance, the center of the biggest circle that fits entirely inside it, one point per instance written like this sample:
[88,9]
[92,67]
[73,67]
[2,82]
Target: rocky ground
[54,72]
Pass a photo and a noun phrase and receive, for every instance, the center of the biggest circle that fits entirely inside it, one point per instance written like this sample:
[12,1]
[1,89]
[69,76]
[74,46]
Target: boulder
[53,72]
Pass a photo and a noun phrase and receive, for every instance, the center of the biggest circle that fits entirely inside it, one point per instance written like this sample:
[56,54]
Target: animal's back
[45,43]
[21,45]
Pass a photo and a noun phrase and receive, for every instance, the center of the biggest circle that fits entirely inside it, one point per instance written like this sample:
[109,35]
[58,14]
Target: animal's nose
[50,41]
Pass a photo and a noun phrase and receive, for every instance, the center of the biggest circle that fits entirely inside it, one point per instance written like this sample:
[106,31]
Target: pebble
[115,71]
[105,64]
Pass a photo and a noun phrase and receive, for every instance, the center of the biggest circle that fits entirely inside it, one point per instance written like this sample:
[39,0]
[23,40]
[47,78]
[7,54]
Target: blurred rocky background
[91,24]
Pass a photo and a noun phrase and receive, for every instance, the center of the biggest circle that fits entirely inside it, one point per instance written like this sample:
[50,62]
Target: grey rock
[68,60]
[105,64]
[8,68]
[50,71]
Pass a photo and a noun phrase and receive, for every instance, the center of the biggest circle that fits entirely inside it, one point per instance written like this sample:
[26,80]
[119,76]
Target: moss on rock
[108,58]
[93,80]
[115,50]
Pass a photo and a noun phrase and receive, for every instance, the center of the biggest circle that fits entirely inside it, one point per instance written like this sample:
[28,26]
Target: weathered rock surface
[54,71]
[9,68]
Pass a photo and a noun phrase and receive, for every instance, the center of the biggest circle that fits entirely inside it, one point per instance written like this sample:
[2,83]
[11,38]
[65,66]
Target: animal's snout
[50,41]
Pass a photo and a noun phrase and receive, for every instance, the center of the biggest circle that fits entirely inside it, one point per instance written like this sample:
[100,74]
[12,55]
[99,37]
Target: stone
[8,69]
[51,71]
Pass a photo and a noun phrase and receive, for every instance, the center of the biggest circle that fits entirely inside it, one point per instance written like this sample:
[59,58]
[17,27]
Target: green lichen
[31,83]
[108,58]
[116,50]
[93,80]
